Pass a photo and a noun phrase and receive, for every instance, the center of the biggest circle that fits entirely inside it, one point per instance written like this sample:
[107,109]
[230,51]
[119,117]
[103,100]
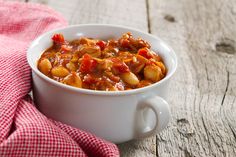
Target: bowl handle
[162,114]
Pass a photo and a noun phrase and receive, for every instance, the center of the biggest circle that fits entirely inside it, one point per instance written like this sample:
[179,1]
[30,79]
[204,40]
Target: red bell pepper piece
[145,52]
[119,67]
[89,79]
[88,64]
[58,38]
[101,44]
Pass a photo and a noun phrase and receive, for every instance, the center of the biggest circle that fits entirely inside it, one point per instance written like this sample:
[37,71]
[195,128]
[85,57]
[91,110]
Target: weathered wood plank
[101,11]
[122,12]
[203,92]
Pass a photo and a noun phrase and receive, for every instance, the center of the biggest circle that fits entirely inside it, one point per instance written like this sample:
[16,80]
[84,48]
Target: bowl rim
[97,92]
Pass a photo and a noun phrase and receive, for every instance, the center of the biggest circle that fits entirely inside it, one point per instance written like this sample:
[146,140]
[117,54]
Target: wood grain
[122,12]
[101,11]
[203,91]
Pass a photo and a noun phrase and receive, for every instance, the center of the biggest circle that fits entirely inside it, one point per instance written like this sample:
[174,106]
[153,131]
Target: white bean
[73,80]
[130,78]
[153,73]
[45,66]
[59,71]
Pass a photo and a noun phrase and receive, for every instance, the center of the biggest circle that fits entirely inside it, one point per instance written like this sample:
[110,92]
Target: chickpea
[130,78]
[73,79]
[45,66]
[59,71]
[153,73]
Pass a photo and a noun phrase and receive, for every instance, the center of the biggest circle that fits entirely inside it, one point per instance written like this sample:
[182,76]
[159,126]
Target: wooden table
[203,91]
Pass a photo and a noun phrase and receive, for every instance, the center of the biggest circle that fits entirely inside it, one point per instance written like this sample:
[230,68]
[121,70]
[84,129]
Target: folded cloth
[24,131]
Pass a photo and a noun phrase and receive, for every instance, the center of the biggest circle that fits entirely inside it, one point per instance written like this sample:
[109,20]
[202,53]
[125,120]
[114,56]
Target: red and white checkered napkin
[24,131]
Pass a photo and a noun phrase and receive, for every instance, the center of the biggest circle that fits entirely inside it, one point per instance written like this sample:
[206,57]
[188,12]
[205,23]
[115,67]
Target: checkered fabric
[24,131]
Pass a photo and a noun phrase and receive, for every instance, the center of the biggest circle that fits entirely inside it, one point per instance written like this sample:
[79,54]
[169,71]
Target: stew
[110,65]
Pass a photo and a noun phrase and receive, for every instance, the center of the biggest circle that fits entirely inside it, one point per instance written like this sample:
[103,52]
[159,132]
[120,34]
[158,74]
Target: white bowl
[117,116]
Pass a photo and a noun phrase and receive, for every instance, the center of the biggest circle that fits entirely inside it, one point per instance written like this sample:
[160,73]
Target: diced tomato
[58,38]
[66,48]
[145,52]
[125,43]
[101,44]
[119,67]
[88,64]
[89,79]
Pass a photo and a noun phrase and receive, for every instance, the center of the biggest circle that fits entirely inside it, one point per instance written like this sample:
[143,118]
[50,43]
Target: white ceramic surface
[116,116]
